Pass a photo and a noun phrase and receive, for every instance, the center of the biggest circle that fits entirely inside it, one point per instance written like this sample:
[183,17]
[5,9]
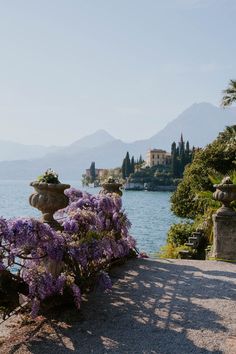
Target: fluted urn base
[225,193]
[49,198]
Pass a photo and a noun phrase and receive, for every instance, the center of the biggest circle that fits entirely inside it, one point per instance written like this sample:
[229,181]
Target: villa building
[157,157]
[102,173]
[99,172]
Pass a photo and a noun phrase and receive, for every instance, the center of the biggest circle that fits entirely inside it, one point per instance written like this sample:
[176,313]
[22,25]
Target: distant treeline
[130,165]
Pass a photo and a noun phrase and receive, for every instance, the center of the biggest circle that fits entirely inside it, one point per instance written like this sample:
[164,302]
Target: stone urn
[48,198]
[111,186]
[225,193]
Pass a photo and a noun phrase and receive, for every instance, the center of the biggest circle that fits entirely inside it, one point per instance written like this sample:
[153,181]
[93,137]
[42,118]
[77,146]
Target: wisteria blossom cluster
[95,232]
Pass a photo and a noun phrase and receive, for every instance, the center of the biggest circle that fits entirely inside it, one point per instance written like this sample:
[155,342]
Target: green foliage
[229,94]
[233,176]
[180,157]
[205,223]
[170,251]
[193,197]
[208,165]
[49,176]
[179,234]
[204,201]
[154,176]
[128,166]
[92,172]
[132,165]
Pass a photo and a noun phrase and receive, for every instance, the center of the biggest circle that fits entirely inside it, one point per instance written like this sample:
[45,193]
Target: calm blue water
[149,212]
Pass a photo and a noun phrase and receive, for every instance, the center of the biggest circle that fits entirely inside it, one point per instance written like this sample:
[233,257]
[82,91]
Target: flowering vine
[95,232]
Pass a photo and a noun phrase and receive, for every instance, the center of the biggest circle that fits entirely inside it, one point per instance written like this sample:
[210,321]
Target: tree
[216,159]
[188,155]
[187,149]
[127,165]
[173,147]
[174,161]
[123,169]
[132,164]
[229,94]
[141,160]
[92,172]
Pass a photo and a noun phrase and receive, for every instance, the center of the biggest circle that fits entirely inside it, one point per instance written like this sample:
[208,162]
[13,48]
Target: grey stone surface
[224,246]
[156,306]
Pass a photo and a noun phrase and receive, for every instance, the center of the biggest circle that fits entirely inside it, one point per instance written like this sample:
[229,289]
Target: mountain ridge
[200,124]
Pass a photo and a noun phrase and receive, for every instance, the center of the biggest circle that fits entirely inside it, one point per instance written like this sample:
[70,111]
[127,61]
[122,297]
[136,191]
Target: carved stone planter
[225,193]
[49,198]
[111,186]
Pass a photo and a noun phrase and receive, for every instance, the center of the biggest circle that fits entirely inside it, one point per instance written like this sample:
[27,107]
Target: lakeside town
[160,171]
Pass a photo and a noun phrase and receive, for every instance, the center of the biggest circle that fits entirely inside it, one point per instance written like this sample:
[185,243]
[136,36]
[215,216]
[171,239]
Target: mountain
[100,137]
[200,124]
[92,141]
[15,151]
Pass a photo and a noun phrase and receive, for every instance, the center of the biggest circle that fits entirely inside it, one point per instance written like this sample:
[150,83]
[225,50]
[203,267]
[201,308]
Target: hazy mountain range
[200,124]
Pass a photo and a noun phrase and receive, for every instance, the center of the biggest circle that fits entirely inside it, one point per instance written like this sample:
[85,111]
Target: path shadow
[154,307]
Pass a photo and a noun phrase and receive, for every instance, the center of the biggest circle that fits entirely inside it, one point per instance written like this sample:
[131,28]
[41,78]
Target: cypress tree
[92,172]
[127,165]
[141,160]
[132,165]
[123,169]
[181,146]
[187,153]
[173,148]
[174,160]
[182,161]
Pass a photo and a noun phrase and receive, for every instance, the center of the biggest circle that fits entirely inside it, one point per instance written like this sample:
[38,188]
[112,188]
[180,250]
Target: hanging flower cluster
[95,232]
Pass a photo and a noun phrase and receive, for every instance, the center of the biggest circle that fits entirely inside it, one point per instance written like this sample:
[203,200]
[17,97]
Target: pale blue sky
[70,67]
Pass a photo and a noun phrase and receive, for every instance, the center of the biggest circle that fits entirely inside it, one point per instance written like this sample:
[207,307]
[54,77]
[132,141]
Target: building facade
[157,157]
[99,172]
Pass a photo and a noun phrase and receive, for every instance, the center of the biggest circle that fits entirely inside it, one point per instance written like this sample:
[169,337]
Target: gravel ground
[156,306]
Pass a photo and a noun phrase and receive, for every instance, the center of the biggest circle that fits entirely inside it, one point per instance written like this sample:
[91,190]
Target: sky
[71,67]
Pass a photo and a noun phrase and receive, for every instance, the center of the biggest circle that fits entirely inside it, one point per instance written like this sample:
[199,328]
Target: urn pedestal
[224,222]
[49,198]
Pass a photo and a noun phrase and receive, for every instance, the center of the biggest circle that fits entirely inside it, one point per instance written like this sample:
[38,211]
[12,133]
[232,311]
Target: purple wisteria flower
[35,307]
[104,281]
[96,232]
[77,295]
[73,194]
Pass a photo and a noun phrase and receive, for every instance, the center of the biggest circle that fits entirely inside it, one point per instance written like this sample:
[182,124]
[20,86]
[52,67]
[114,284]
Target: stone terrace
[156,306]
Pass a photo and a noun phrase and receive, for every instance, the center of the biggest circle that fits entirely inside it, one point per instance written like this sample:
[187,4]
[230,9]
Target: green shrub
[179,234]
[170,251]
[217,158]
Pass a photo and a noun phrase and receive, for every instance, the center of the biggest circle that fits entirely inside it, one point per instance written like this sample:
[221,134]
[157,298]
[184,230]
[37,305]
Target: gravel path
[156,306]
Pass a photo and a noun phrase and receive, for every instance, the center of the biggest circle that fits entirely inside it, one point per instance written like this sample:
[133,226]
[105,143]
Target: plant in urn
[225,193]
[49,196]
[111,186]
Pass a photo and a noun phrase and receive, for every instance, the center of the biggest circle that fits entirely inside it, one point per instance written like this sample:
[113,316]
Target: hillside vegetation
[193,197]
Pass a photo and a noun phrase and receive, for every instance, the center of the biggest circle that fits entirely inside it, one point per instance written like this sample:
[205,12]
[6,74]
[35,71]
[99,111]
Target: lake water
[149,212]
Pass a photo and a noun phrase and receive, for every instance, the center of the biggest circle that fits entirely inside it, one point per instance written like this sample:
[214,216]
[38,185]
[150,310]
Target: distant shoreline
[156,189]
